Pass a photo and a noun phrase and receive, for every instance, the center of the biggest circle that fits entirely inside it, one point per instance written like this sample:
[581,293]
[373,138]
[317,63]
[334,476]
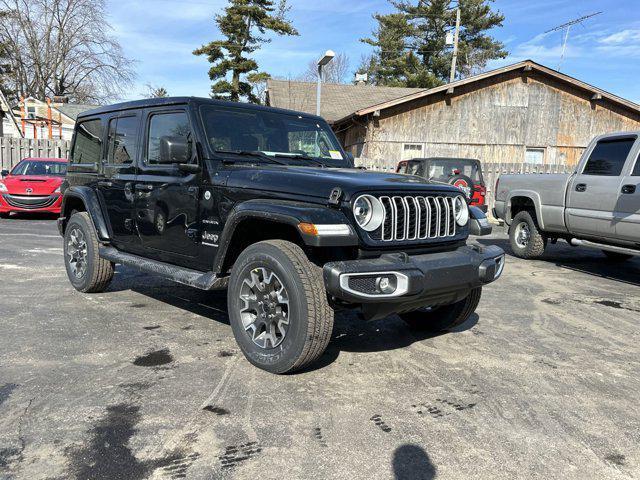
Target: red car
[464,173]
[33,185]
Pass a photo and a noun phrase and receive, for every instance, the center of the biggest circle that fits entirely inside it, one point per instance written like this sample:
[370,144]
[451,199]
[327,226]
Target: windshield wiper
[251,153]
[299,156]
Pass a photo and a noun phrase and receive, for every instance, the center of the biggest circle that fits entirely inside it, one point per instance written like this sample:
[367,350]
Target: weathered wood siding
[495,122]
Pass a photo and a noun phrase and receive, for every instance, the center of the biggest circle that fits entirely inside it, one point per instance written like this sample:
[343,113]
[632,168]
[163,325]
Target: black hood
[319,182]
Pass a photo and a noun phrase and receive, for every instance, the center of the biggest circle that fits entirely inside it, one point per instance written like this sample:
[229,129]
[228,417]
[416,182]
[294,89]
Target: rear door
[166,199]
[628,205]
[593,192]
[119,170]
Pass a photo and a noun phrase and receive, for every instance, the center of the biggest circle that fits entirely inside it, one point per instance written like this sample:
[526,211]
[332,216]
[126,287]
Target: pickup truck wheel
[617,257]
[525,237]
[445,317]
[87,272]
[278,307]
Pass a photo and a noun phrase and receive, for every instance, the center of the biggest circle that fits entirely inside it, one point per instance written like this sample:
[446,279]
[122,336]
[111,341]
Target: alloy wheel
[77,252]
[265,308]
[522,235]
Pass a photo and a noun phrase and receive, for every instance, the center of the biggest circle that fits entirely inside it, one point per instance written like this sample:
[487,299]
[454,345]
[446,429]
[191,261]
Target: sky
[159,36]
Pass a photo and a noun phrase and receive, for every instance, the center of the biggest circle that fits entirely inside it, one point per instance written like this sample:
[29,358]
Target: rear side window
[87,147]
[123,140]
[608,157]
[175,124]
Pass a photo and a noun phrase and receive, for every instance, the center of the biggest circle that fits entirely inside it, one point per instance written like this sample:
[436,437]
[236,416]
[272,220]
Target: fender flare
[92,207]
[289,213]
[531,195]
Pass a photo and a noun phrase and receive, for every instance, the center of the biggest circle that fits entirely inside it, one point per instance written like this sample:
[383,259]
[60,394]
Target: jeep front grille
[417,218]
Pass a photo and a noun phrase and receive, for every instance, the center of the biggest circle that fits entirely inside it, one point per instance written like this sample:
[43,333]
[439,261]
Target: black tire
[98,272]
[617,257]
[537,242]
[310,318]
[445,317]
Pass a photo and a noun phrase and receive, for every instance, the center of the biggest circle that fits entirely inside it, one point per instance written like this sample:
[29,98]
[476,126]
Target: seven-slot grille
[417,218]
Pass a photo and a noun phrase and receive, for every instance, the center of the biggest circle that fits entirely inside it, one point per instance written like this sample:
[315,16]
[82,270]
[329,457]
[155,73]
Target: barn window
[411,150]
[534,156]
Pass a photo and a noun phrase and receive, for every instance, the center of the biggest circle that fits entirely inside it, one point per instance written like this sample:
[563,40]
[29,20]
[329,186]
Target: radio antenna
[566,27]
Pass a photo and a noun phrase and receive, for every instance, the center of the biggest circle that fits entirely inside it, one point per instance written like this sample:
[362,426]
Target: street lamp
[328,56]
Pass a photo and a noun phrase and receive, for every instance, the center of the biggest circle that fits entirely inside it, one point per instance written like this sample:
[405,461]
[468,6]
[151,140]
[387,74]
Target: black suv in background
[265,202]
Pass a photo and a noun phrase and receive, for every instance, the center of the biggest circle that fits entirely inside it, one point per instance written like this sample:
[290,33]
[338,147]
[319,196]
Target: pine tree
[410,44]
[243,26]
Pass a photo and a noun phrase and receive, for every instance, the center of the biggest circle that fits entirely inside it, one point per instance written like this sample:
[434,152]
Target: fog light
[386,285]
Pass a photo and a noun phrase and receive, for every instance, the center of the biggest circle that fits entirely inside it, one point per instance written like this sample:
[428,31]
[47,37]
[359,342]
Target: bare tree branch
[63,48]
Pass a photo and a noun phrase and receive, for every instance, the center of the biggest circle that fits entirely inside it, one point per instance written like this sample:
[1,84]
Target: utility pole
[454,59]
[567,26]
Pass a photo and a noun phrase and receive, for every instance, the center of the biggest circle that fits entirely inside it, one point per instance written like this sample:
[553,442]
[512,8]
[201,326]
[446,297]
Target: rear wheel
[445,317]
[527,241]
[278,307]
[87,272]
[617,257]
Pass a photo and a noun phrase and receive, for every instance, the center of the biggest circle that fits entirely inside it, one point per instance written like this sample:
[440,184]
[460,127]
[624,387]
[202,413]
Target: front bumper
[420,280]
[36,204]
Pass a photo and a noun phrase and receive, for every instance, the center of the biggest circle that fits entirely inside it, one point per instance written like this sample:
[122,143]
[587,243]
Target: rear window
[87,146]
[443,170]
[608,157]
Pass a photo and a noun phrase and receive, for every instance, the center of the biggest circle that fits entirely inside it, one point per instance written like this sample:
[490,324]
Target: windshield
[274,134]
[443,170]
[40,168]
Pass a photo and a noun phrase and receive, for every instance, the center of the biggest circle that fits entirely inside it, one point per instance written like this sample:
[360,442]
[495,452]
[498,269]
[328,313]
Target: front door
[628,207]
[166,198]
[119,170]
[593,192]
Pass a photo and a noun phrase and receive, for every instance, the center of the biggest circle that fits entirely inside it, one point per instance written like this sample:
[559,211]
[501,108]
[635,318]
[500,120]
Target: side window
[402,167]
[123,140]
[174,124]
[87,147]
[608,157]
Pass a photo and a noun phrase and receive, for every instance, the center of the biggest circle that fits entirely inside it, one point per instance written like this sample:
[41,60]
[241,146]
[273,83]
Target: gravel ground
[145,381]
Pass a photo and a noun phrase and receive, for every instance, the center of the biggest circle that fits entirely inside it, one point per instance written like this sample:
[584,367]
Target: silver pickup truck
[597,206]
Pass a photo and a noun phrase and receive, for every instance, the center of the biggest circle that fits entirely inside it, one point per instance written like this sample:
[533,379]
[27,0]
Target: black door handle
[581,187]
[629,189]
[144,186]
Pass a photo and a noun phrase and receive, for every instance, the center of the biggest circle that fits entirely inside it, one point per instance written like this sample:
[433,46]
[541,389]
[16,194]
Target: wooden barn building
[522,113]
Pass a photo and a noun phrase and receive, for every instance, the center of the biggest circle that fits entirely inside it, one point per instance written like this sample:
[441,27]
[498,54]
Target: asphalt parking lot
[145,381]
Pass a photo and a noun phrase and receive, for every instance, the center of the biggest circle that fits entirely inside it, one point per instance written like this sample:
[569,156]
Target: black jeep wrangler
[265,203]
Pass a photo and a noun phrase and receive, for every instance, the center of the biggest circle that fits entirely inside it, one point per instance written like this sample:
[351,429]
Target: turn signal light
[308,228]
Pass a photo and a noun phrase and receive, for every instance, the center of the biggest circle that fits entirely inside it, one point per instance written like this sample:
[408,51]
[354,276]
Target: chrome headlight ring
[461,210]
[368,212]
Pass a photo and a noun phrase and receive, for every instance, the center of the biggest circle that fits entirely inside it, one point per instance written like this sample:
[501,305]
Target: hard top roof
[46,159]
[168,101]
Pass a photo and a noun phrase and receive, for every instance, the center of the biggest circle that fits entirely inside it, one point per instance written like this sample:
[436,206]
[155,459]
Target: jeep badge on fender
[286,223]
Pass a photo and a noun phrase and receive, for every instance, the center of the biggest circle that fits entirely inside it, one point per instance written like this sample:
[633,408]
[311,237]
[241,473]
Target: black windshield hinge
[335,196]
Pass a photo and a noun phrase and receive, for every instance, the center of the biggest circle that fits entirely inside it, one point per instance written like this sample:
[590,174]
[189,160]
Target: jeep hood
[319,182]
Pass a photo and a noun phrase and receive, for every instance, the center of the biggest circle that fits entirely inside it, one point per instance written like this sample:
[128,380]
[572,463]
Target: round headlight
[462,210]
[368,212]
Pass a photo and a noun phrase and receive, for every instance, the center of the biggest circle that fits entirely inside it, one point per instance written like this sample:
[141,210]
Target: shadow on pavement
[31,216]
[580,259]
[411,462]
[350,332]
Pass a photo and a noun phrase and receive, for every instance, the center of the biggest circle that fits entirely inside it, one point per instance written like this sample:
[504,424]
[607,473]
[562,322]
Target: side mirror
[4,173]
[174,150]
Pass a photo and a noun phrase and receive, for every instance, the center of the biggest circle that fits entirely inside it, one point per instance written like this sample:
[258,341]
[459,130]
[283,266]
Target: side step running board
[186,276]
[603,246]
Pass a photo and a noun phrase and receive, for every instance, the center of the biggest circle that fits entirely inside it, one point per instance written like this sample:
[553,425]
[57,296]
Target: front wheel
[278,307]
[443,318]
[87,272]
